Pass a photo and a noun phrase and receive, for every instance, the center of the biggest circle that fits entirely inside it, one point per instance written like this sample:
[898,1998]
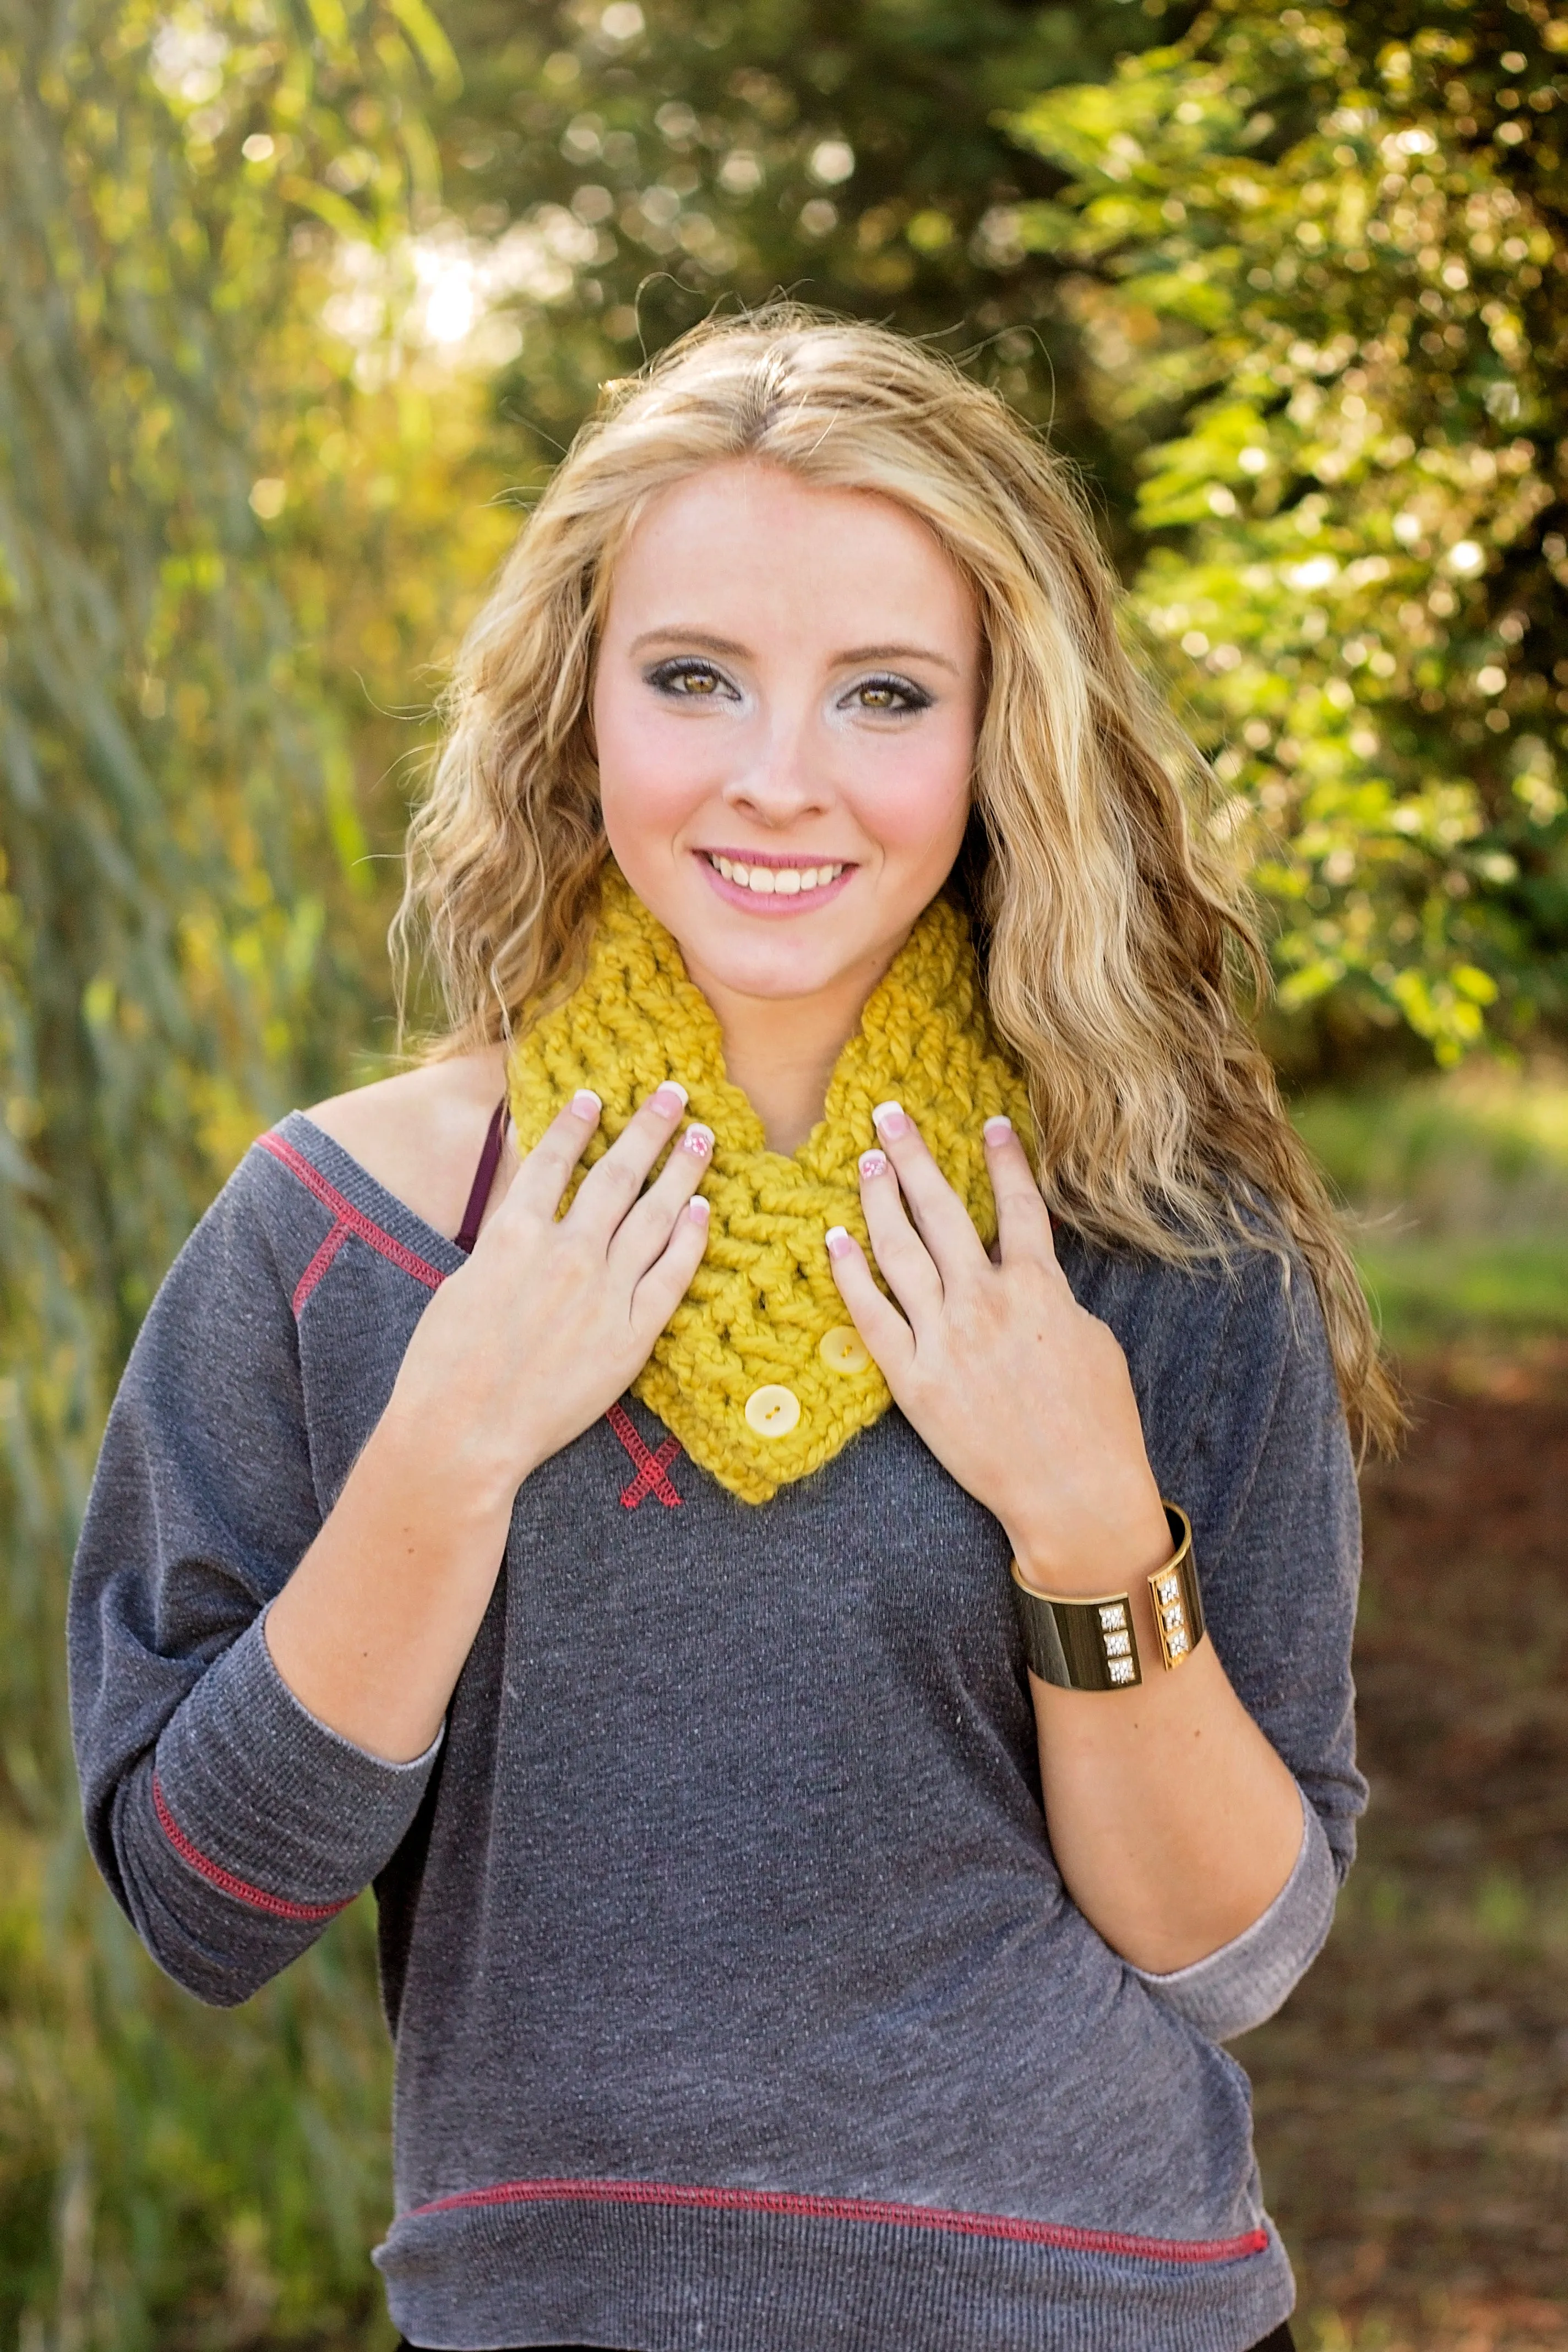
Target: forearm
[372,1628]
[514,1357]
[1173,1822]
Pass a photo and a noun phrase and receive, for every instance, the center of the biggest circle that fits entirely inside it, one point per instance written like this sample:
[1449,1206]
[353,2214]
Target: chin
[770,968]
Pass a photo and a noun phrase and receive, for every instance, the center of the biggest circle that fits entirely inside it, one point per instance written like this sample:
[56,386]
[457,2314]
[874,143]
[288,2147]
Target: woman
[736,1602]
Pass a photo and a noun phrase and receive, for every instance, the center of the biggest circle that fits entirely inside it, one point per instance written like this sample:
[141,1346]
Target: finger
[668,1279]
[942,1221]
[1022,1220]
[544,1172]
[878,1320]
[647,1228]
[898,1250]
[615,1182]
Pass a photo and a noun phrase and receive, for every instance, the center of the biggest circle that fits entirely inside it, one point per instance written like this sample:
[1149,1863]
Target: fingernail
[837,1241]
[890,1119]
[873,1164]
[697,1209]
[996,1128]
[698,1140]
[585,1103]
[670,1097]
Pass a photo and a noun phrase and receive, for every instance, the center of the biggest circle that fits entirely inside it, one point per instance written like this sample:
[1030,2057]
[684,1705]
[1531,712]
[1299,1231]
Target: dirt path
[1412,2097]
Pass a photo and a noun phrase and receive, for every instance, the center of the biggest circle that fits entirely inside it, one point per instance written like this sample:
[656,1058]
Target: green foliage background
[295,295]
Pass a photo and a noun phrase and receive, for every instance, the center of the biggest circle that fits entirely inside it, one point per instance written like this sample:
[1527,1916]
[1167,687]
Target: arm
[229,1823]
[1176,1822]
[514,1356]
[256,1695]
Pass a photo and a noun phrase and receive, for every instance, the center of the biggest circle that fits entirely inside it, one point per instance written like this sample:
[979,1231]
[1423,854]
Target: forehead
[748,537]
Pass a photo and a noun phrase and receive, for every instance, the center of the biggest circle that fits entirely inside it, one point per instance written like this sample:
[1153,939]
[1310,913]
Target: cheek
[648,776]
[918,801]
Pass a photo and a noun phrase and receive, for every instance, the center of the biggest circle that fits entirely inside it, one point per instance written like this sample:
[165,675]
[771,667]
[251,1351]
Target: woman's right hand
[554,1315]
[516,1355]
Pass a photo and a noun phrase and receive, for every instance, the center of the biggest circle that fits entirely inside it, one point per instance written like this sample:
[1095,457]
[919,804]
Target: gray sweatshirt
[738,2001]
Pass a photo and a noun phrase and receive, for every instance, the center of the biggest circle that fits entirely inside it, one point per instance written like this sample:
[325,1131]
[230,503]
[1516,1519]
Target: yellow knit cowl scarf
[762,1312]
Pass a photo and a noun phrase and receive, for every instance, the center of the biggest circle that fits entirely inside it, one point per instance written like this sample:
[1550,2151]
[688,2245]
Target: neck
[781,1051]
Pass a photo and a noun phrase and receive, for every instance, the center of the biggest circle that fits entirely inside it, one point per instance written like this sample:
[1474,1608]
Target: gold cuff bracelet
[1092,1644]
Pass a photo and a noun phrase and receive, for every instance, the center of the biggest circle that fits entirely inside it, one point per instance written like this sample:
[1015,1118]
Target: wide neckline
[380,1193]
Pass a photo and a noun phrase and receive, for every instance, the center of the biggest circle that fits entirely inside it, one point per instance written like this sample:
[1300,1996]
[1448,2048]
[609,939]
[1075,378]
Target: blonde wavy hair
[1112,934]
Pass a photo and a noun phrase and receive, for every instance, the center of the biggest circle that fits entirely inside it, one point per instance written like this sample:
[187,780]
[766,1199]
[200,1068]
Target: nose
[787,777]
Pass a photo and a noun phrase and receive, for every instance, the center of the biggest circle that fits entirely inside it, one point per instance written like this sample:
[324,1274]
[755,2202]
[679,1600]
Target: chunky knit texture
[764,1297]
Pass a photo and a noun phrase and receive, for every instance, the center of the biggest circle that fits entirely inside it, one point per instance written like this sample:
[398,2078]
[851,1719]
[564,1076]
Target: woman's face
[784,708]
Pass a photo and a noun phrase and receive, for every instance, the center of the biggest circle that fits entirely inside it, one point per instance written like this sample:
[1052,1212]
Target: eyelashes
[687,678]
[890,694]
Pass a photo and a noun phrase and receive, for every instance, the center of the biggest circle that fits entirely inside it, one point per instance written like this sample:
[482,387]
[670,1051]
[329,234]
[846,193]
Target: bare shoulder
[421,1133]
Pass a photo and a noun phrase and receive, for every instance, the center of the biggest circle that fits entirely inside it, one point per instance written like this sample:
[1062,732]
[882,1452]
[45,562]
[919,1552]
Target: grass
[1458,1193]
[1412,2097]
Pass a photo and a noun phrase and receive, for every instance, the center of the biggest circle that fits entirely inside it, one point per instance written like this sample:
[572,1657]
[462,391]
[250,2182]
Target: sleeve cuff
[1229,1992]
[270,1805]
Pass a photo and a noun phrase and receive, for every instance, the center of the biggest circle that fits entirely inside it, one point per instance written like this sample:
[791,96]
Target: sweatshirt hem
[703,2199]
[668,2268]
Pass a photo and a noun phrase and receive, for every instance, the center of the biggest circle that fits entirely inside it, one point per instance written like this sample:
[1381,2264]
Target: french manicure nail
[837,1241]
[670,1097]
[697,1209]
[890,1119]
[873,1164]
[585,1103]
[996,1128]
[698,1140]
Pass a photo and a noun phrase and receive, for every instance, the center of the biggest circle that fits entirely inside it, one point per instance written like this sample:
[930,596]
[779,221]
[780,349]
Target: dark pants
[1280,2341]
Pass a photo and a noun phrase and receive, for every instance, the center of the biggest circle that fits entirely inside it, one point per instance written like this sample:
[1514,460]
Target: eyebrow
[852,654]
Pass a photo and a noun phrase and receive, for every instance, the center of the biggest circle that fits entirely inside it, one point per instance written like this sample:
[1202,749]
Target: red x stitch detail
[650,1467]
[347,1219]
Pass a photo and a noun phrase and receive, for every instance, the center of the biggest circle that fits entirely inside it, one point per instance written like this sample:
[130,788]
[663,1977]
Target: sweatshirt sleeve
[1229,1992]
[1259,1454]
[229,1823]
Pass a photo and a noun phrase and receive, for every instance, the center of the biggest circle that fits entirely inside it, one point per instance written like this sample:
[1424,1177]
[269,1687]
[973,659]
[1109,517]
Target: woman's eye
[693,681]
[896,695]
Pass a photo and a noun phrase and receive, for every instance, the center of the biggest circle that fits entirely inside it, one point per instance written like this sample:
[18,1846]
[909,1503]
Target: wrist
[457,1469]
[1079,1555]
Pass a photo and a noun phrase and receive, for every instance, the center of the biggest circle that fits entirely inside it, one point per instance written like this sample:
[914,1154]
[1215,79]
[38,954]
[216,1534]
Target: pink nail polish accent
[698,1140]
[890,1119]
[837,1241]
[697,1209]
[873,1164]
[996,1128]
[585,1103]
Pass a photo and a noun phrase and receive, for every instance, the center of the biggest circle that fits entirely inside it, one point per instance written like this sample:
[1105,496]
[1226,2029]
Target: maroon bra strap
[484,1177]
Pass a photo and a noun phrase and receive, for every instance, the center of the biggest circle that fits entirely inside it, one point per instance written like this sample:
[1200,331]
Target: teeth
[785,881]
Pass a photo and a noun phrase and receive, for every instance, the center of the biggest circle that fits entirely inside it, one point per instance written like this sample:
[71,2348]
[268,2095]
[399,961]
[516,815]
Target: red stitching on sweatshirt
[856,2209]
[242,1891]
[352,1221]
[650,1467]
[319,1264]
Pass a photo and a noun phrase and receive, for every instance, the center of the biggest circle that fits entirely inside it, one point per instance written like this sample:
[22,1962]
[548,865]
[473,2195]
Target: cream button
[842,1349]
[772,1410]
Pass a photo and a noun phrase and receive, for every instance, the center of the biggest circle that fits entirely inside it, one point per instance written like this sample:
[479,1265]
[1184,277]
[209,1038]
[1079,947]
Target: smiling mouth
[776,881]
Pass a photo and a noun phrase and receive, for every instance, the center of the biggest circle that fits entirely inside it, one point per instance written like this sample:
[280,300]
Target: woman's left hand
[1023,1396]
[1171,1819]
